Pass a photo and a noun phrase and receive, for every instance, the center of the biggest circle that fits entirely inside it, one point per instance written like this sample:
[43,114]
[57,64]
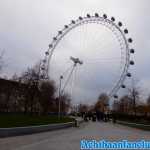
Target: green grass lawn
[9,120]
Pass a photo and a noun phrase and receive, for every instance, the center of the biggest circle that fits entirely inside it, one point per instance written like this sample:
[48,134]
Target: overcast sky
[28,26]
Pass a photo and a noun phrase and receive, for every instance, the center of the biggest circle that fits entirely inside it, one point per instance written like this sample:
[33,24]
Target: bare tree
[83,108]
[124,104]
[102,103]
[148,100]
[31,78]
[65,102]
[15,77]
[134,94]
[47,95]
[1,60]
[148,105]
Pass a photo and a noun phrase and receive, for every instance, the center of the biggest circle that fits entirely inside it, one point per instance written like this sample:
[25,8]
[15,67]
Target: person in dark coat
[86,117]
[93,116]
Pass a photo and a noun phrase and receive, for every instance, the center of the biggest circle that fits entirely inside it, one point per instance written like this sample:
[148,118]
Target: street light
[59,98]
[75,61]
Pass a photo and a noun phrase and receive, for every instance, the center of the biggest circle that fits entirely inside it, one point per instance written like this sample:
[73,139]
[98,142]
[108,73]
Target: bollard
[76,123]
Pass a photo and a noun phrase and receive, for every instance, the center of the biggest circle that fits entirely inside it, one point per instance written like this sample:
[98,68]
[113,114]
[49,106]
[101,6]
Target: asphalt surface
[69,139]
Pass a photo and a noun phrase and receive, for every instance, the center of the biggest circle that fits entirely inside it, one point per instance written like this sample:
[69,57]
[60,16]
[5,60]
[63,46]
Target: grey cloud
[27,27]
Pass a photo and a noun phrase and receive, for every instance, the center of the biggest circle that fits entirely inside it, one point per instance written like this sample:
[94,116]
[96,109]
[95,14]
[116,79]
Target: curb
[7,132]
[135,125]
[131,123]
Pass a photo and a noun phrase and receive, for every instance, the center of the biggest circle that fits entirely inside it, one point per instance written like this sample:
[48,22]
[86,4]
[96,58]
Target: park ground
[69,139]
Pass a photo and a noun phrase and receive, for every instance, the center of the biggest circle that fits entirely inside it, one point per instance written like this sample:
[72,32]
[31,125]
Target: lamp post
[59,97]
[75,61]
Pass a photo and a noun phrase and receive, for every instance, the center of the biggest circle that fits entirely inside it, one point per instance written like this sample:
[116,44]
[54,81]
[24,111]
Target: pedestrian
[86,117]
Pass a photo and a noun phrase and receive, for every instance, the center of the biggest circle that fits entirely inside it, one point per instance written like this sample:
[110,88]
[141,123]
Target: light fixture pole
[59,97]
[75,61]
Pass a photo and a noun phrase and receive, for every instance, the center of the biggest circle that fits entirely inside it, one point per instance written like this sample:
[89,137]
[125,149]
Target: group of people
[96,116]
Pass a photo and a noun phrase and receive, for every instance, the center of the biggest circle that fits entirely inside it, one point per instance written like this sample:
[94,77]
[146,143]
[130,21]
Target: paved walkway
[69,139]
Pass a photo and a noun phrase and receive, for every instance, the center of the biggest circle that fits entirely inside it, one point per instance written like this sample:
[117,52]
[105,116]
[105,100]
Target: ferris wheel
[100,44]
